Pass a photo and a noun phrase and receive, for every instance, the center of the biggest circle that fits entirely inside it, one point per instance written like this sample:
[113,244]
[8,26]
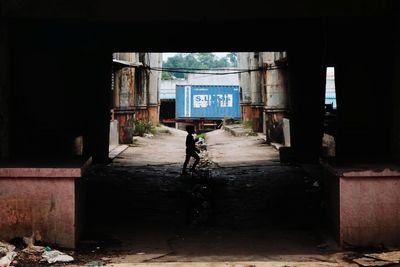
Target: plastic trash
[5,248]
[56,256]
[31,248]
[7,259]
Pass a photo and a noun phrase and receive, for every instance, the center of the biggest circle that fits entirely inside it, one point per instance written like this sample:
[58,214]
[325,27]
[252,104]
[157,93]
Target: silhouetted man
[190,150]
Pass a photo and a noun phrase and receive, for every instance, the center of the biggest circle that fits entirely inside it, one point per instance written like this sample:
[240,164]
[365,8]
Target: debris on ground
[371,262]
[56,256]
[7,259]
[5,248]
[30,247]
[29,253]
[7,254]
[393,256]
[148,135]
[379,259]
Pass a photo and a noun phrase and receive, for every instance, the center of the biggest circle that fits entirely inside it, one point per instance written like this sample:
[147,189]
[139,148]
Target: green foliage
[165,75]
[143,126]
[251,133]
[247,124]
[201,135]
[232,59]
[197,61]
[228,121]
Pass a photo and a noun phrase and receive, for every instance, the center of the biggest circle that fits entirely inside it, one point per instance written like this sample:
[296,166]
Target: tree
[232,59]
[165,75]
[196,61]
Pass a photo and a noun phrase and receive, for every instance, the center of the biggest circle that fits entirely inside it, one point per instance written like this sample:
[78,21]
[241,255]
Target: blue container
[212,102]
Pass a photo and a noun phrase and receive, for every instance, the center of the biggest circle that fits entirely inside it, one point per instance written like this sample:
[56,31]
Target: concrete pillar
[255,79]
[396,96]
[364,103]
[244,82]
[98,130]
[4,94]
[154,88]
[307,94]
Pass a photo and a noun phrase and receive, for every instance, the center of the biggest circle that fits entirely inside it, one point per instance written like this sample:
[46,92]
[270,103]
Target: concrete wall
[155,60]
[244,78]
[114,134]
[207,79]
[44,205]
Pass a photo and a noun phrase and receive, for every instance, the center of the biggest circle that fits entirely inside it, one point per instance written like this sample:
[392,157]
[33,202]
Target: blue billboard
[207,102]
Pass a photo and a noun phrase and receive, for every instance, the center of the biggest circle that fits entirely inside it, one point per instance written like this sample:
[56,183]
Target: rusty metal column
[307,93]
[124,97]
[255,87]
[276,102]
[4,94]
[244,81]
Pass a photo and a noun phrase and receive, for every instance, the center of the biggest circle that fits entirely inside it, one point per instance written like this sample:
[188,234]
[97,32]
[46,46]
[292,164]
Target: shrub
[143,126]
[201,135]
[247,124]
[228,121]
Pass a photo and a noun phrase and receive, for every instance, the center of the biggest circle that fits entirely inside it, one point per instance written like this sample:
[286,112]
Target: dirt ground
[243,208]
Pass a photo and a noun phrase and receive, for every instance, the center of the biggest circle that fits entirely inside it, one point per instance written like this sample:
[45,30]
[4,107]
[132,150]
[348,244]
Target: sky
[218,54]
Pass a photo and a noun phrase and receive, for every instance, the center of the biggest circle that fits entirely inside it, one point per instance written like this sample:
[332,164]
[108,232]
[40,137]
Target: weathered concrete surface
[364,203]
[236,130]
[44,205]
[228,151]
[41,201]
[234,264]
[243,207]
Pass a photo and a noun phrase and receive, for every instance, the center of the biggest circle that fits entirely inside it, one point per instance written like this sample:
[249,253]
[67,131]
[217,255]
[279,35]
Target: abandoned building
[135,92]
[56,64]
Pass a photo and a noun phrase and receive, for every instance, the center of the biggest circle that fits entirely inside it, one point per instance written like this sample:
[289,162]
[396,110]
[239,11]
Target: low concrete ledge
[73,168]
[364,202]
[236,130]
[41,199]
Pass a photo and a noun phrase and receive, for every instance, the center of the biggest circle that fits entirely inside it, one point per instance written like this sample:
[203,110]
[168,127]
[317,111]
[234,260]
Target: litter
[379,259]
[147,135]
[370,262]
[5,248]
[7,259]
[393,256]
[31,248]
[56,256]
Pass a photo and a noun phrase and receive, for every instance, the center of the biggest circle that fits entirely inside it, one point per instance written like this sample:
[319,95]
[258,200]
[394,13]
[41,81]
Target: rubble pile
[205,162]
[31,253]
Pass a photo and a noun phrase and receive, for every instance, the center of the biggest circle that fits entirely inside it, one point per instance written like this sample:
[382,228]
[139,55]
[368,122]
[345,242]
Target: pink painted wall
[31,204]
[370,210]
[363,205]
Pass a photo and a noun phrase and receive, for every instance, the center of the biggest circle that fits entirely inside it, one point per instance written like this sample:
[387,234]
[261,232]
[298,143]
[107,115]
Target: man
[191,150]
